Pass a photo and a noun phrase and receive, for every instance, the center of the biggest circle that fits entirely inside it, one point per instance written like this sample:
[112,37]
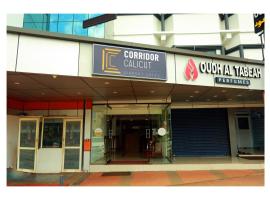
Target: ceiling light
[152,91]
[115,92]
[208,99]
[215,96]
[191,96]
[106,83]
[196,92]
[239,95]
[17,83]
[54,76]
[229,99]
[187,100]
[79,93]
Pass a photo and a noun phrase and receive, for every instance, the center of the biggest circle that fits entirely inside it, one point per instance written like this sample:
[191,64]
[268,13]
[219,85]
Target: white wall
[134,28]
[12,140]
[15,20]
[196,29]
[253,54]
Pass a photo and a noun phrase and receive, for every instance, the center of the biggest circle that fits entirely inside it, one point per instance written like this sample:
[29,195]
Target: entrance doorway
[134,138]
[129,134]
[49,144]
[244,132]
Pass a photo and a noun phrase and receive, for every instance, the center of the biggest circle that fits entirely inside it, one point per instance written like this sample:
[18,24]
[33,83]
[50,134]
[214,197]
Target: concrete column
[232,132]
[87,128]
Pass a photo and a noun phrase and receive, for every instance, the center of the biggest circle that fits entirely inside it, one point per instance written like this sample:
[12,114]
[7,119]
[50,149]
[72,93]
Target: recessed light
[115,92]
[223,91]
[215,96]
[239,95]
[229,99]
[17,83]
[191,96]
[152,91]
[54,76]
[196,92]
[187,100]
[208,99]
[106,83]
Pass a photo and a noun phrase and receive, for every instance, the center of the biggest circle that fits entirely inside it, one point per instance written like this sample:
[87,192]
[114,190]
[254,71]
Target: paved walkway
[168,178]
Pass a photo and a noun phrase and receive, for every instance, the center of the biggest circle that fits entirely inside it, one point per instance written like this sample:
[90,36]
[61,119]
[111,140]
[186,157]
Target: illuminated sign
[128,62]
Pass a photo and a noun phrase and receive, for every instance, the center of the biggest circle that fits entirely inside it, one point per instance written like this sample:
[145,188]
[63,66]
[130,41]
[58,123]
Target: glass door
[167,126]
[108,141]
[27,144]
[72,145]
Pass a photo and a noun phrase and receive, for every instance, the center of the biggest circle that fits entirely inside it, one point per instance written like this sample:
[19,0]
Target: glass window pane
[52,133]
[96,31]
[36,26]
[78,29]
[73,133]
[80,17]
[72,159]
[53,17]
[53,27]
[65,27]
[33,18]
[27,158]
[243,123]
[66,17]
[28,134]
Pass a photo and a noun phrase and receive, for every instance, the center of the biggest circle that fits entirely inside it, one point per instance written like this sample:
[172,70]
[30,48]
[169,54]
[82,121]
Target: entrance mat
[126,162]
[116,174]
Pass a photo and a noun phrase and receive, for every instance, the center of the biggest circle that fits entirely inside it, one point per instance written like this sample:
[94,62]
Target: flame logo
[191,71]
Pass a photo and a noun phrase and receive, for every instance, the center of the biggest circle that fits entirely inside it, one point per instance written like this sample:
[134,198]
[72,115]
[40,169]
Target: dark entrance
[131,139]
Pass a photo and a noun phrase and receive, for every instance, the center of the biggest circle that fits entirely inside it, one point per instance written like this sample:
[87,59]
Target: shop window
[52,133]
[243,123]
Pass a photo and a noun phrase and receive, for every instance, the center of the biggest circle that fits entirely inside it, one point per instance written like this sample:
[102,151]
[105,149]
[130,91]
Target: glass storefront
[63,23]
[132,133]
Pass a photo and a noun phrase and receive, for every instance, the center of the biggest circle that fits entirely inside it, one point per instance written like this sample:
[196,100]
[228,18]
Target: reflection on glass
[53,27]
[53,17]
[27,158]
[66,17]
[65,27]
[78,29]
[28,134]
[98,132]
[96,31]
[63,23]
[72,159]
[52,133]
[80,17]
[73,134]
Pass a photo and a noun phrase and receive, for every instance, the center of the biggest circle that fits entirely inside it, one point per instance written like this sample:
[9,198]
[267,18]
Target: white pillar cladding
[232,132]
[87,133]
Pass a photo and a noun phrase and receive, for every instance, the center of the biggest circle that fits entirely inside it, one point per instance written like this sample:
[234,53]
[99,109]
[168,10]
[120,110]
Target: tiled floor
[160,178]
[180,178]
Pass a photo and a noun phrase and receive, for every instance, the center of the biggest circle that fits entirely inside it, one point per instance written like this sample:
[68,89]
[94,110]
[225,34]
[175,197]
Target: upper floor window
[63,23]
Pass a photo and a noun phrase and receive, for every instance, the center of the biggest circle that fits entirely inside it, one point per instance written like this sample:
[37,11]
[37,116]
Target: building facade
[141,89]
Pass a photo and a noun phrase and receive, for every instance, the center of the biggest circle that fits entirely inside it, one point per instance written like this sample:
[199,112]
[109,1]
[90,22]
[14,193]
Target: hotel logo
[107,55]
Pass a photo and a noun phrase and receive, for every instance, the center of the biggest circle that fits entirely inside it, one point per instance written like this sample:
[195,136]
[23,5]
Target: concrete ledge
[173,167]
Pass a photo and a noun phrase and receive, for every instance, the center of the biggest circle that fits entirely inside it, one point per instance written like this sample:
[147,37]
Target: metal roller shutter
[257,118]
[200,132]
